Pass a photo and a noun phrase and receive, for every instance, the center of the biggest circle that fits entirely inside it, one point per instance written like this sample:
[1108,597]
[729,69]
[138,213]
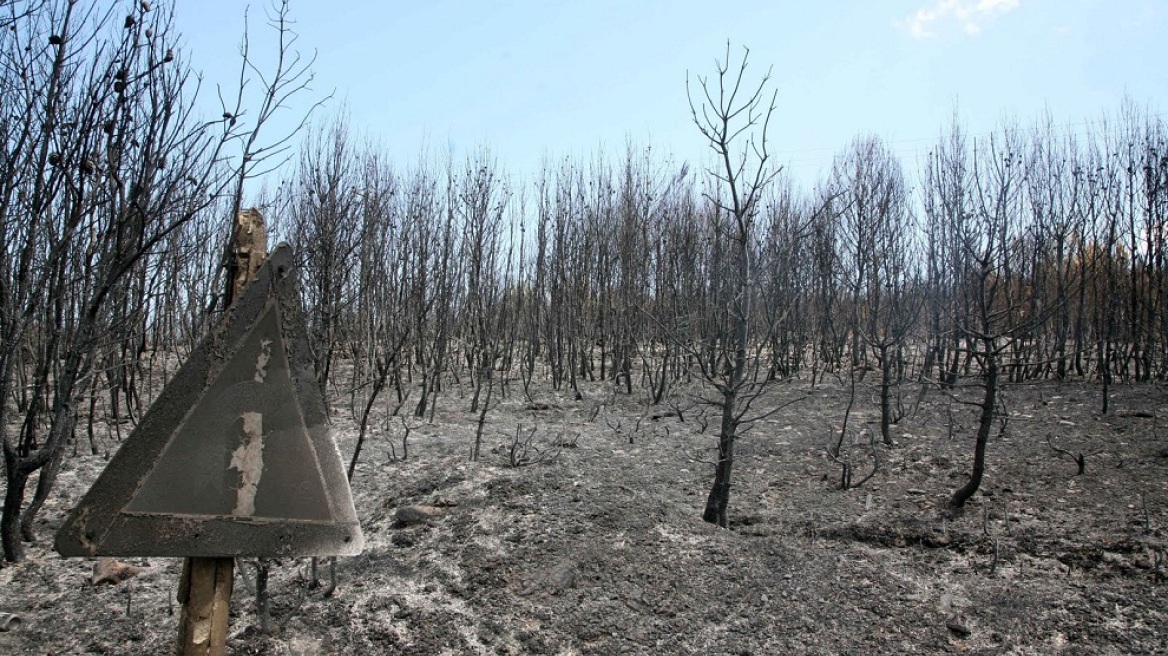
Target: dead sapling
[525,451]
[838,454]
[1079,458]
[638,432]
[595,411]
[263,598]
[618,428]
[675,410]
[407,428]
[702,419]
[566,441]
[259,588]
[314,578]
[488,404]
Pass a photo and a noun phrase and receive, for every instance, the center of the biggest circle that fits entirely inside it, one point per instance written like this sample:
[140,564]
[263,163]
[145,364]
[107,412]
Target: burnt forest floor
[595,544]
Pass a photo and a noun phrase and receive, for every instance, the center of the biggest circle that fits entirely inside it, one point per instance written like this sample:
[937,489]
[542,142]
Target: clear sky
[552,78]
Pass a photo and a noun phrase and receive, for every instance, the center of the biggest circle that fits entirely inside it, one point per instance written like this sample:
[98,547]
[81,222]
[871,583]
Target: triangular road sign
[234,458]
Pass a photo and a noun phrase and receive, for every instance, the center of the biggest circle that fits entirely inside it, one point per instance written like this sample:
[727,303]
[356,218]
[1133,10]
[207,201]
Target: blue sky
[534,79]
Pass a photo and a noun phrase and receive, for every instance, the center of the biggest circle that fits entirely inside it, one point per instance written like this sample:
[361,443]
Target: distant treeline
[615,270]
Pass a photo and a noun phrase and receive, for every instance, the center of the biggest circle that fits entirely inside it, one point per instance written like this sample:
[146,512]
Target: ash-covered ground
[593,543]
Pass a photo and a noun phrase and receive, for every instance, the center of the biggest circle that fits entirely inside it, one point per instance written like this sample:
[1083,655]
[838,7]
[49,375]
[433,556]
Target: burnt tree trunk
[17,478]
[985,425]
[719,498]
[885,395]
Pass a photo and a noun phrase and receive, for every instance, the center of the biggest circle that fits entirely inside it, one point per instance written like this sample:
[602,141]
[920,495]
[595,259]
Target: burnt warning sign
[234,458]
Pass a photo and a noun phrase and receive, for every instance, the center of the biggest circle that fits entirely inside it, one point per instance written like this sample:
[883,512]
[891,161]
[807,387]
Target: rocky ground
[590,541]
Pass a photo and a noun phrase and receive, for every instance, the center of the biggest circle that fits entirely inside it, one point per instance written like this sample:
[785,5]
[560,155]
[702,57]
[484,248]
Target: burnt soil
[594,544]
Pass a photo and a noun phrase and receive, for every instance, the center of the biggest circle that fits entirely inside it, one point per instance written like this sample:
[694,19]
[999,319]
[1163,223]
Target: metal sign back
[234,458]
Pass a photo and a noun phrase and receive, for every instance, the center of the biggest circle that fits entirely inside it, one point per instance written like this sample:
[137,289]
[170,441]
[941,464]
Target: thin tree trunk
[17,480]
[719,498]
[985,425]
[474,456]
[885,395]
[45,483]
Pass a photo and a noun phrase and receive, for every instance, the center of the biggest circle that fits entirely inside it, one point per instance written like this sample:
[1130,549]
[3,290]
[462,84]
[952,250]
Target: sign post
[204,591]
[233,459]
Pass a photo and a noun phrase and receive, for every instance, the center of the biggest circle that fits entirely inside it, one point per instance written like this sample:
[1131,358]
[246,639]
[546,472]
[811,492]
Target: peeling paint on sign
[262,360]
[248,460]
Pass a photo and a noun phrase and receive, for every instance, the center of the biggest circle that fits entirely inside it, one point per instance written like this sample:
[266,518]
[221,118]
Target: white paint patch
[248,459]
[265,355]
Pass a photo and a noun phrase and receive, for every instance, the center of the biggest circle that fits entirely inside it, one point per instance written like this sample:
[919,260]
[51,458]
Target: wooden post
[249,249]
[204,591]
[205,594]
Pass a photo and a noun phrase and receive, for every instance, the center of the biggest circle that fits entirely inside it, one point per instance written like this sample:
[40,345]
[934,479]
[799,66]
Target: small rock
[958,629]
[8,622]
[108,570]
[562,578]
[415,514]
[937,541]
